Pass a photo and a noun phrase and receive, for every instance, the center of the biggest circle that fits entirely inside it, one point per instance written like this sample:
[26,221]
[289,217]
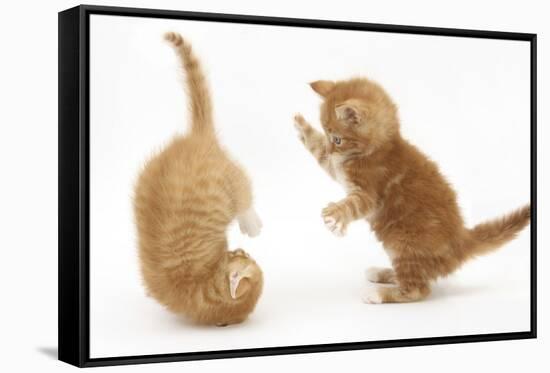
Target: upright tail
[490,235]
[200,102]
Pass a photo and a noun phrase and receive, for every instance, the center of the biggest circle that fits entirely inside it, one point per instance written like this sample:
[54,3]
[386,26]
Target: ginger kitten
[185,198]
[410,206]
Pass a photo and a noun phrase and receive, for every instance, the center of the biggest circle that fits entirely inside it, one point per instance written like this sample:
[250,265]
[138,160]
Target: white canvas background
[465,102]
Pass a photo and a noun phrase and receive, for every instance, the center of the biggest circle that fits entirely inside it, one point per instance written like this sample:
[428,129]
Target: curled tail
[490,235]
[200,103]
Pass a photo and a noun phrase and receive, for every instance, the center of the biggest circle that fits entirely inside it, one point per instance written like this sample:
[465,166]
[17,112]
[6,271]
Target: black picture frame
[74,145]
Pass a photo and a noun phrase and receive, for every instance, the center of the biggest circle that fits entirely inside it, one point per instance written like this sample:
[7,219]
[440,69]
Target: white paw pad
[371,294]
[335,227]
[250,223]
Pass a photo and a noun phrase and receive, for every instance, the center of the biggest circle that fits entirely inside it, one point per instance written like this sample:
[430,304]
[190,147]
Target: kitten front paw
[334,219]
[301,126]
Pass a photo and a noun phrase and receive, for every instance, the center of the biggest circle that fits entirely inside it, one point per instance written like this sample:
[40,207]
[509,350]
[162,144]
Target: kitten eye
[336,140]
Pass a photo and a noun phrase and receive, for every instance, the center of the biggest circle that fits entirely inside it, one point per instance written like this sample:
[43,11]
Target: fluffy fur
[185,198]
[410,206]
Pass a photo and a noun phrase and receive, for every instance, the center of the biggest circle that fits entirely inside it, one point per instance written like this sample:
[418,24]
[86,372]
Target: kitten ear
[348,113]
[322,87]
[235,279]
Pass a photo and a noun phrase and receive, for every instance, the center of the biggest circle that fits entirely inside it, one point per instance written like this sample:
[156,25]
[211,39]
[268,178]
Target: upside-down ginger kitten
[185,198]
[392,185]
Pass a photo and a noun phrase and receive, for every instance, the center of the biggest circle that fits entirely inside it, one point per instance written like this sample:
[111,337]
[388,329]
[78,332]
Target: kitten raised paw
[301,126]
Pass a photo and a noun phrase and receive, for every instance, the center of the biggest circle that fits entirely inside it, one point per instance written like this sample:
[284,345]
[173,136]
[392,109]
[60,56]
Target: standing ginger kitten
[410,206]
[185,198]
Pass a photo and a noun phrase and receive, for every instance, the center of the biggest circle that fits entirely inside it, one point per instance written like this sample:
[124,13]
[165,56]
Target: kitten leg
[338,215]
[241,192]
[313,140]
[250,223]
[376,294]
[381,275]
[412,283]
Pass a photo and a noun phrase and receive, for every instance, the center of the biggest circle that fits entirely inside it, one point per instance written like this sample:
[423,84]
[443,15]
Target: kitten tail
[491,235]
[200,102]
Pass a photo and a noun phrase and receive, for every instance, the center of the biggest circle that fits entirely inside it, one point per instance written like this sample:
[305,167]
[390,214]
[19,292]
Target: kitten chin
[391,184]
[185,198]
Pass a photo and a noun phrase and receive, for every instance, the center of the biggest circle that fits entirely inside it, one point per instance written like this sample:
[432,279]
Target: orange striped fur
[185,198]
[410,206]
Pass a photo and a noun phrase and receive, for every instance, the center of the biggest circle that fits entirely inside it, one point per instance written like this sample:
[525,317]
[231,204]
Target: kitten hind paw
[372,274]
[371,295]
[381,275]
[250,223]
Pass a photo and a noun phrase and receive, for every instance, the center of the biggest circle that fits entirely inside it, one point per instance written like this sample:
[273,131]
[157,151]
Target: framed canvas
[464,100]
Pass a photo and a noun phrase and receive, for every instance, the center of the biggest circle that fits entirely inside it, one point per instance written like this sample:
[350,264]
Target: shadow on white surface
[51,352]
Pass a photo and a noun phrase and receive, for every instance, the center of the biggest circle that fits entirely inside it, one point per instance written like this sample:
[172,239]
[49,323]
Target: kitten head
[244,276]
[357,115]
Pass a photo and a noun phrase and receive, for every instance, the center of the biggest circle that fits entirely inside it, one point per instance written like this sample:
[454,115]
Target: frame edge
[304,22]
[69,249]
[533,51]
